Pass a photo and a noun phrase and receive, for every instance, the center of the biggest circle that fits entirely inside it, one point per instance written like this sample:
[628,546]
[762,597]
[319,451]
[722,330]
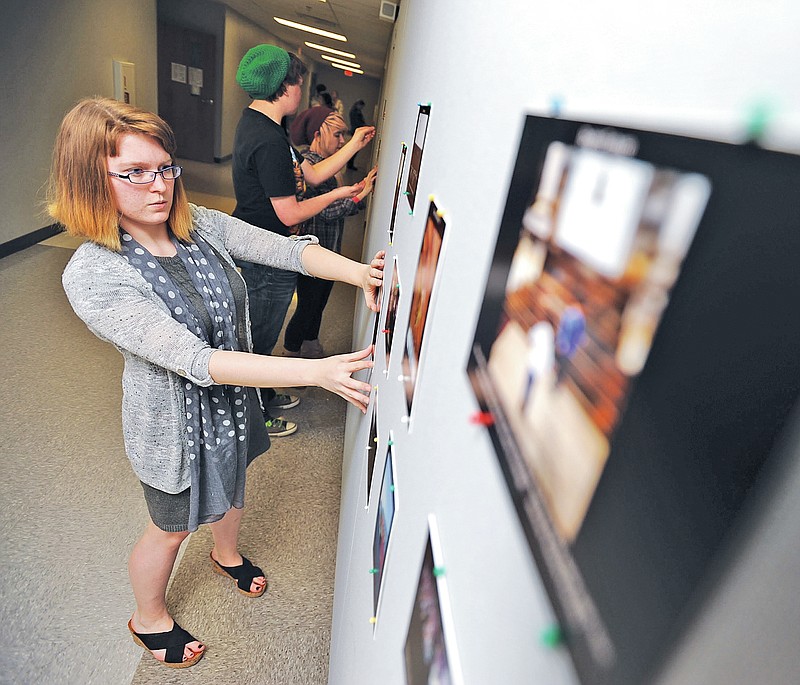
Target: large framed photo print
[634,314]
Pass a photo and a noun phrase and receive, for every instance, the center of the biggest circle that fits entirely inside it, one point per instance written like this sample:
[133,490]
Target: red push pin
[385,330]
[482,418]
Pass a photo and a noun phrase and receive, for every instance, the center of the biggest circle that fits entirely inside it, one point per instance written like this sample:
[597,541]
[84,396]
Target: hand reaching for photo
[335,375]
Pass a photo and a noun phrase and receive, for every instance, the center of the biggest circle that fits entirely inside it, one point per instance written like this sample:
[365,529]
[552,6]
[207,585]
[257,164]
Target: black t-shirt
[264,165]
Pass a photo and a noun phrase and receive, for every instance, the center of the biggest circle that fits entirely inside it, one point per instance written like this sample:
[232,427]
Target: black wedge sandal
[242,574]
[174,641]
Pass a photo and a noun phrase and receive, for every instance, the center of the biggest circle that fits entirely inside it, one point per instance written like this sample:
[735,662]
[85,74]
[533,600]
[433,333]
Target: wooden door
[186,89]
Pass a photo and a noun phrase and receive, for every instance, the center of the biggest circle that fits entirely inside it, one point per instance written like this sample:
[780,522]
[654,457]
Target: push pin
[438,571]
[411,212]
[386,331]
[391,488]
[403,378]
[373,620]
[482,418]
[552,636]
[440,213]
[373,571]
[388,442]
[405,419]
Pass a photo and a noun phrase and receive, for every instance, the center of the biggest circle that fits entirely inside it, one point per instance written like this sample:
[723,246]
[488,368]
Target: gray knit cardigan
[119,306]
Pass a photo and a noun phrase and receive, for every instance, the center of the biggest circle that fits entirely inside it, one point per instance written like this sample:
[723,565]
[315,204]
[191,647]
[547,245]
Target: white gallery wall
[701,70]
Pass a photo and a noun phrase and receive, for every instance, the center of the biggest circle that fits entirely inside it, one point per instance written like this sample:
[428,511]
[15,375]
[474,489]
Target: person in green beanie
[269,177]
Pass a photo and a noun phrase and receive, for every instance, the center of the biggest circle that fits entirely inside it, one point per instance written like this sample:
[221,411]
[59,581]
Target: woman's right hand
[350,191]
[362,136]
[369,181]
[334,374]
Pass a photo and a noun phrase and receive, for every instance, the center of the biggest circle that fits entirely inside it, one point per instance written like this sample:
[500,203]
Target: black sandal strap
[243,574]
[174,641]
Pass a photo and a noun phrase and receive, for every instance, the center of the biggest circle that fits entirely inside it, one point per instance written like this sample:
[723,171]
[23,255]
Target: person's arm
[348,206]
[331,373]
[323,170]
[331,266]
[291,212]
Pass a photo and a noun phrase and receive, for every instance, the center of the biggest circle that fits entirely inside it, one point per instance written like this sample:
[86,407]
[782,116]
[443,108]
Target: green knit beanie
[262,71]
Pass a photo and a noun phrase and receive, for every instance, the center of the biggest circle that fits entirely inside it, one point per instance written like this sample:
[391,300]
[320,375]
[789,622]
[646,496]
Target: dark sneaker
[279,428]
[283,401]
[312,349]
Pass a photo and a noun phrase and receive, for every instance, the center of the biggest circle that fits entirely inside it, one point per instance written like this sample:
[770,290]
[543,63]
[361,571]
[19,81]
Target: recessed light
[310,29]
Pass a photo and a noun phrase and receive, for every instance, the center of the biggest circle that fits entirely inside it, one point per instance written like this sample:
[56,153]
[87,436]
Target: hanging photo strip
[393,299]
[430,649]
[387,505]
[372,444]
[424,281]
[416,153]
[629,321]
[397,192]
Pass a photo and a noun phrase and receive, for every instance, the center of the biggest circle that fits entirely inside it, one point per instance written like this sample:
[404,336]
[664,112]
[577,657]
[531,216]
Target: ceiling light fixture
[310,29]
[337,60]
[344,68]
[316,46]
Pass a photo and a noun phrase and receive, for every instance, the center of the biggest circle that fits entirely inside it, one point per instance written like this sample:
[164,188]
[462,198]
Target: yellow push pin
[373,620]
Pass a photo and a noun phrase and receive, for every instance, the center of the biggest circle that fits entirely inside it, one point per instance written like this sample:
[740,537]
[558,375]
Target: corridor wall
[52,55]
[699,71]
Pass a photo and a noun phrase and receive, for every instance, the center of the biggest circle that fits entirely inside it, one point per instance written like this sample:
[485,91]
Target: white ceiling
[368,36]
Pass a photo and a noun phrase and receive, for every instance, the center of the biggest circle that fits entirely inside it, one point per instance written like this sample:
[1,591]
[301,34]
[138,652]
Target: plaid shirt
[328,225]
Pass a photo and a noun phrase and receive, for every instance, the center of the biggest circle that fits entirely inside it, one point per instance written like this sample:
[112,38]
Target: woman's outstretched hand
[373,280]
[335,375]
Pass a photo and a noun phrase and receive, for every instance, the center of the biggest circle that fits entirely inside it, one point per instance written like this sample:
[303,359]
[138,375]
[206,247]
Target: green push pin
[390,442]
[438,571]
[759,117]
[552,636]
[391,488]
[373,571]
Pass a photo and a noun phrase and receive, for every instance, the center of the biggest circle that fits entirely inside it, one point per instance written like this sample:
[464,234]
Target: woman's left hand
[373,280]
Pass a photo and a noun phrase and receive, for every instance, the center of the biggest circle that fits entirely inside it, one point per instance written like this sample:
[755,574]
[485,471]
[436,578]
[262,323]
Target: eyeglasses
[169,173]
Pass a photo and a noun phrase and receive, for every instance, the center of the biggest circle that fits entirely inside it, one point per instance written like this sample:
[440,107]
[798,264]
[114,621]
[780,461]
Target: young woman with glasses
[156,278]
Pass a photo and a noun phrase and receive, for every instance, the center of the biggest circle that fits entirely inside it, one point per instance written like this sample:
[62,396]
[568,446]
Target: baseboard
[25,241]
[226,158]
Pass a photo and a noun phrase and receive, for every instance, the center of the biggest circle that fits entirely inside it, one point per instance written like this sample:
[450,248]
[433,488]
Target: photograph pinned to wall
[424,283]
[393,298]
[416,153]
[397,191]
[387,506]
[372,443]
[614,389]
[430,650]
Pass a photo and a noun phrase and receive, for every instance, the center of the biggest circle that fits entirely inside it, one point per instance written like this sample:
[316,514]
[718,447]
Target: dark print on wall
[383,525]
[372,444]
[424,282]
[397,192]
[430,651]
[630,320]
[391,311]
[416,153]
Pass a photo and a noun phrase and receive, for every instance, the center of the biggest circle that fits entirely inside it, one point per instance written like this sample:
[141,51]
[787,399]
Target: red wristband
[356,199]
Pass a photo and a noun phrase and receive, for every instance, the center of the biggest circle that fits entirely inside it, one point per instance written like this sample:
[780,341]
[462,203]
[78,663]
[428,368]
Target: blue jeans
[270,292]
